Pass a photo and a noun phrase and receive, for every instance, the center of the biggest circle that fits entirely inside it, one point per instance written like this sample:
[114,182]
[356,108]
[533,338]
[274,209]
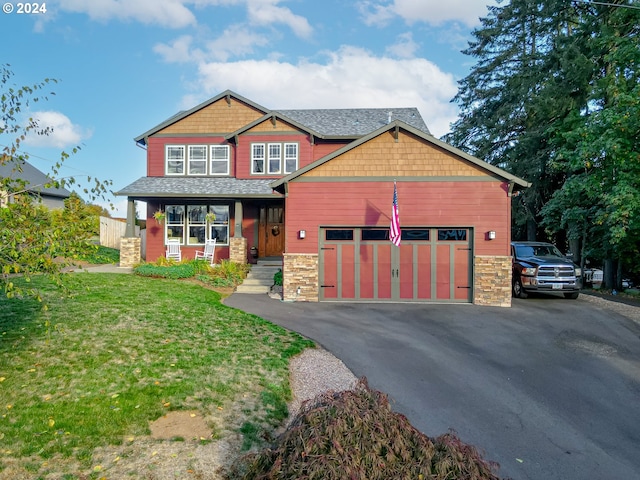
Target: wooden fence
[112,230]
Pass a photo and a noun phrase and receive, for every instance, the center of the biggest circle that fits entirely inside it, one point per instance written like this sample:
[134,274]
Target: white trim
[199,160]
[166,159]
[217,160]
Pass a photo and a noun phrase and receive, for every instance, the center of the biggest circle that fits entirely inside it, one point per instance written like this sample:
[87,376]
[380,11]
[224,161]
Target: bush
[355,435]
[100,255]
[277,278]
[178,270]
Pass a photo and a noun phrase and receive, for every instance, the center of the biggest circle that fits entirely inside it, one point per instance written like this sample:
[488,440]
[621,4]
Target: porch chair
[209,251]
[173,249]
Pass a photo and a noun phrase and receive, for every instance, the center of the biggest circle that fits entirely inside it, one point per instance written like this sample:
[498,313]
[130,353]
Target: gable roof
[328,123]
[34,178]
[142,139]
[279,184]
[353,122]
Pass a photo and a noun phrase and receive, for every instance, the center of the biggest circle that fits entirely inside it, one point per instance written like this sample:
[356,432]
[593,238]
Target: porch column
[238,219]
[130,245]
[130,231]
[237,243]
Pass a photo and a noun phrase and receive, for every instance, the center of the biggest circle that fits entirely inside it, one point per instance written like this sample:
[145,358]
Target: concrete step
[256,289]
[258,281]
[266,274]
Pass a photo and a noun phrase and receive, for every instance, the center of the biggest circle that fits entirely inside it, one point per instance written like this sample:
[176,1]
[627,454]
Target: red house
[315,187]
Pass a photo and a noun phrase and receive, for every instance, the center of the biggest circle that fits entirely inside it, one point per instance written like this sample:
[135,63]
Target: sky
[124,66]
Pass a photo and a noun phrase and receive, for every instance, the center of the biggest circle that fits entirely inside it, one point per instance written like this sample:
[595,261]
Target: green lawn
[117,351]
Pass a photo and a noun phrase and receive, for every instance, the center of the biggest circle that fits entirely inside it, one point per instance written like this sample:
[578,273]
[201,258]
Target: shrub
[178,270]
[277,278]
[101,255]
[355,435]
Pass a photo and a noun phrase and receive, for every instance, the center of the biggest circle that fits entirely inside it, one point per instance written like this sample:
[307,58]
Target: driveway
[549,388]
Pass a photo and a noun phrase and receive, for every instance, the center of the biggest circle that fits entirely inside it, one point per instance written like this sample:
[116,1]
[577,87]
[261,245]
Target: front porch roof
[201,187]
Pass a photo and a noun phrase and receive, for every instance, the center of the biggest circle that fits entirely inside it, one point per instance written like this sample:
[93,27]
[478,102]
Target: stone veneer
[130,251]
[238,250]
[300,271]
[492,281]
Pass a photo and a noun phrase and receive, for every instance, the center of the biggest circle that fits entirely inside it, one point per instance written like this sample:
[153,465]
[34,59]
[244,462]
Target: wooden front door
[271,231]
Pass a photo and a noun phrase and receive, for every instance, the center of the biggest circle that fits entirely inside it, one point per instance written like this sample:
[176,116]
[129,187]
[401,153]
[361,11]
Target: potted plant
[159,215]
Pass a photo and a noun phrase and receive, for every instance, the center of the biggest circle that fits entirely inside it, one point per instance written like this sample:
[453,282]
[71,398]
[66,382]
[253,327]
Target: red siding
[482,205]
[156,150]
[322,149]
[243,152]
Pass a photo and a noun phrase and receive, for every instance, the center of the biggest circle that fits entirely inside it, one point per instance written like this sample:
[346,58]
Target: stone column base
[492,281]
[300,277]
[238,250]
[130,251]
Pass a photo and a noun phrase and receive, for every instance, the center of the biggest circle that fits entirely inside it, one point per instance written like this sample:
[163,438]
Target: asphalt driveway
[549,388]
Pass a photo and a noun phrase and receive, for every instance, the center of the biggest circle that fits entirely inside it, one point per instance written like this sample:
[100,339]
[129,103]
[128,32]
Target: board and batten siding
[482,205]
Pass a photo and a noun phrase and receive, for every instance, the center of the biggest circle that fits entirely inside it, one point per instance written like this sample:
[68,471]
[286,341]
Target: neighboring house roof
[278,185]
[198,186]
[34,178]
[142,139]
[354,122]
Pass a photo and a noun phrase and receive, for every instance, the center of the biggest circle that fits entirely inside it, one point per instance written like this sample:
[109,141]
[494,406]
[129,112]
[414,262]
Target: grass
[120,351]
[101,255]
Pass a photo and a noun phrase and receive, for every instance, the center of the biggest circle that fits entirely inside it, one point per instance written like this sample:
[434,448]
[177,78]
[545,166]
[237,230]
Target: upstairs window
[290,157]
[274,158]
[257,158]
[197,160]
[175,159]
[219,160]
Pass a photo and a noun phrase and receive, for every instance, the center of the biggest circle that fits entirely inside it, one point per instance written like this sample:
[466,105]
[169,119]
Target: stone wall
[300,277]
[492,281]
[238,250]
[130,251]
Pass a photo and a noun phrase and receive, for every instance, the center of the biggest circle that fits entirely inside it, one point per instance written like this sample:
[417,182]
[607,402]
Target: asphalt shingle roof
[198,186]
[33,177]
[354,121]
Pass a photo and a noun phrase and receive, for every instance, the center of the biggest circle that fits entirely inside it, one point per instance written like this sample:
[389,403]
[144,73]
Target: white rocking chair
[173,249]
[209,251]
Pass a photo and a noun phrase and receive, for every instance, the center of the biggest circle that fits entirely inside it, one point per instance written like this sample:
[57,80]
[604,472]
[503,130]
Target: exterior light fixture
[302,234]
[491,235]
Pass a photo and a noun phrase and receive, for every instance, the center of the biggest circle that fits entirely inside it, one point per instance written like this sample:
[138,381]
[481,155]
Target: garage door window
[408,234]
[339,235]
[452,235]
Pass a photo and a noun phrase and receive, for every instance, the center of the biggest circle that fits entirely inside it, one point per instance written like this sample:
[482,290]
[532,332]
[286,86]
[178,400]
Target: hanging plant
[159,216]
[210,217]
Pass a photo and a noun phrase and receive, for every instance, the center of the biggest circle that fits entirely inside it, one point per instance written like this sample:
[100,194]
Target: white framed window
[275,157]
[174,159]
[196,224]
[257,158]
[219,160]
[290,157]
[219,228]
[174,224]
[189,224]
[197,159]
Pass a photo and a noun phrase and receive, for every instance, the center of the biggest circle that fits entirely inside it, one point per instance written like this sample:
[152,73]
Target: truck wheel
[518,291]
[572,295]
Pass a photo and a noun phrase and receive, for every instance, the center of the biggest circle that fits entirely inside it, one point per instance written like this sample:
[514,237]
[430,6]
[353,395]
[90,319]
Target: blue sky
[124,66]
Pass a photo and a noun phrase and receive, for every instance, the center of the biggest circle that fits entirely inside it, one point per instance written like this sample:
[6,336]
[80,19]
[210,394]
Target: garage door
[361,264]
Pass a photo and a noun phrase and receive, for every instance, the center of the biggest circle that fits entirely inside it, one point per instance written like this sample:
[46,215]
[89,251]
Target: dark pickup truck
[540,267]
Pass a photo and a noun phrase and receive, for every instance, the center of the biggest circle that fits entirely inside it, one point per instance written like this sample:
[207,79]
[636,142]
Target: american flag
[394,229]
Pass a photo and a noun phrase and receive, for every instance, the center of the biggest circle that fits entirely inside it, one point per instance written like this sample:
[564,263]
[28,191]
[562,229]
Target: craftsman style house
[315,188]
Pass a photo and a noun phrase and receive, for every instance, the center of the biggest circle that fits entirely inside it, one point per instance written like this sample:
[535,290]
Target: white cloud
[179,51]
[168,13]
[266,12]
[433,12]
[405,47]
[62,133]
[350,78]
